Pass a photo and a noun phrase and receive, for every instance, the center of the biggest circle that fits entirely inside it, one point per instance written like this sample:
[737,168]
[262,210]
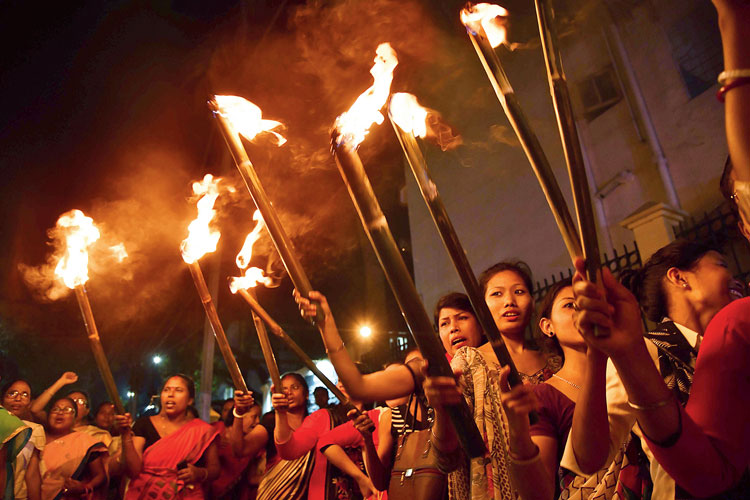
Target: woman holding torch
[171,452]
[295,435]
[457,327]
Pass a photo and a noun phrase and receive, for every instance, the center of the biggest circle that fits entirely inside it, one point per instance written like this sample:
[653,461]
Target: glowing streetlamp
[157,359]
[365,332]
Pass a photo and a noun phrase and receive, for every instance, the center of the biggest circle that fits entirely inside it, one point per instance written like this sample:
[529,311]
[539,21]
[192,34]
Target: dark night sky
[103,109]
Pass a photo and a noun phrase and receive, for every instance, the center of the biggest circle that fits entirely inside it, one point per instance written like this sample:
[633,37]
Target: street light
[156,359]
[365,331]
[131,394]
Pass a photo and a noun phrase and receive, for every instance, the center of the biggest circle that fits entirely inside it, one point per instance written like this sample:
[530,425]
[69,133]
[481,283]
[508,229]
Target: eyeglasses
[16,394]
[81,401]
[63,410]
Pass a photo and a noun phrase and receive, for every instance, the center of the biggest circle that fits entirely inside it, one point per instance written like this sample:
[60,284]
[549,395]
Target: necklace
[566,381]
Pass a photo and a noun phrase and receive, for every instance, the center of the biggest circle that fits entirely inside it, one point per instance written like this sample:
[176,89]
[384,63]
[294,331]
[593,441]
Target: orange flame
[254,275]
[408,114]
[80,234]
[354,124]
[119,252]
[246,118]
[491,18]
[201,238]
[250,279]
[243,258]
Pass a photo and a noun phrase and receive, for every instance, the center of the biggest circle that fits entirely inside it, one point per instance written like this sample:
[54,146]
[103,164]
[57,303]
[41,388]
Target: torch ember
[79,234]
[354,124]
[492,18]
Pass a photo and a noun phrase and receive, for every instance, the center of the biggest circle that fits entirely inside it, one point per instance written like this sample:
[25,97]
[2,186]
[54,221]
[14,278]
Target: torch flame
[408,114]
[79,233]
[243,258]
[354,124]
[254,275]
[490,17]
[201,238]
[119,252]
[246,117]
[251,278]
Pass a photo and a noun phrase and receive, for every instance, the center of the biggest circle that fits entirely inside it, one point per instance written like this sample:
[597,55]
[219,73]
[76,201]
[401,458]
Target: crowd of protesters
[606,409]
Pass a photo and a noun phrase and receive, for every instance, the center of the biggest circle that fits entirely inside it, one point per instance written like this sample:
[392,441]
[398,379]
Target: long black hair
[647,283]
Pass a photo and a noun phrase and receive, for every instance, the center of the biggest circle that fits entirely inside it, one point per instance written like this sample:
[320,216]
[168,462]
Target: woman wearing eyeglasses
[27,480]
[72,463]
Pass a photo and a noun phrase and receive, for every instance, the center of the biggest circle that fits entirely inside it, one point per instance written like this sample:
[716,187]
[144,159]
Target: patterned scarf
[676,358]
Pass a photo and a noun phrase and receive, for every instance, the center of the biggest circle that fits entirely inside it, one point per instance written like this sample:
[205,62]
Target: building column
[653,226]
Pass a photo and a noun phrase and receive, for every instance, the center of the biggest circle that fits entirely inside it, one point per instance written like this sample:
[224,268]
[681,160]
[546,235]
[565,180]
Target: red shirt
[713,450]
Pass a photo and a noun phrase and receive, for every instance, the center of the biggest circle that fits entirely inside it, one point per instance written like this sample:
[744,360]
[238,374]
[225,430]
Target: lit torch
[348,132]
[249,279]
[409,120]
[569,136]
[485,24]
[237,116]
[200,241]
[80,234]
[244,286]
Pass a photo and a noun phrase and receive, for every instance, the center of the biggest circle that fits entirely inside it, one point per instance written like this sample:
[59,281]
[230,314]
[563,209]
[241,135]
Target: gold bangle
[338,349]
[650,406]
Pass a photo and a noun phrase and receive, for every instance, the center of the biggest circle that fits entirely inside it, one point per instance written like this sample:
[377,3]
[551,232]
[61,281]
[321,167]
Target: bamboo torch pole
[376,226]
[278,235]
[265,346]
[97,349]
[526,136]
[453,246]
[569,136]
[301,354]
[213,318]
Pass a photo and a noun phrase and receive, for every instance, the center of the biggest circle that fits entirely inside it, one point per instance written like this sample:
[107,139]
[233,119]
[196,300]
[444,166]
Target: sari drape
[64,458]
[13,436]
[158,478]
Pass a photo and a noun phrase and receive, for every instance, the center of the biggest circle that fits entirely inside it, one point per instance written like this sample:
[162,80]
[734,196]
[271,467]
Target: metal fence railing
[628,258]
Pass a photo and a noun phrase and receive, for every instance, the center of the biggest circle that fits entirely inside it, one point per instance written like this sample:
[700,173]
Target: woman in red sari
[173,454]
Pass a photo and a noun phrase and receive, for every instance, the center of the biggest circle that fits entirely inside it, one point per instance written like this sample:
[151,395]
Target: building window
[599,92]
[696,47]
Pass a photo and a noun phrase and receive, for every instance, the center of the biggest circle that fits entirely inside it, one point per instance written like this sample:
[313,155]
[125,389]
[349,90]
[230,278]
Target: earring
[684,285]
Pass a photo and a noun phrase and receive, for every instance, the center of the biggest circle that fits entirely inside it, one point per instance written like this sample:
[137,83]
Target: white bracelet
[237,415]
[731,74]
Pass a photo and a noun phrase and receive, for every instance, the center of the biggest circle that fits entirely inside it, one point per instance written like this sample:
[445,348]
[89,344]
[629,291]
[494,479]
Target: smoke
[327,49]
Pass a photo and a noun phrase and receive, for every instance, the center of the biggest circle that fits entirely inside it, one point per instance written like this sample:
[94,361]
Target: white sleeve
[621,417]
